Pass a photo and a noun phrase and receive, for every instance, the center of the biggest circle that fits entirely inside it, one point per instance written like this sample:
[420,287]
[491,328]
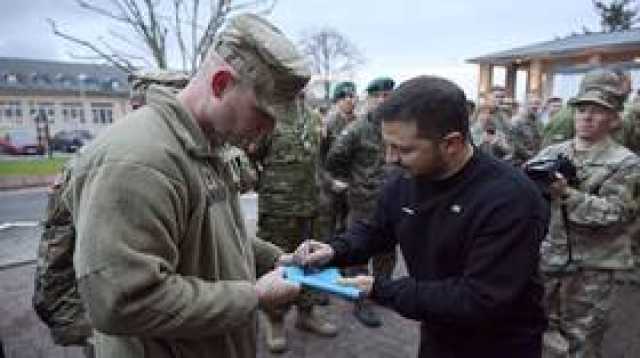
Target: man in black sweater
[469,228]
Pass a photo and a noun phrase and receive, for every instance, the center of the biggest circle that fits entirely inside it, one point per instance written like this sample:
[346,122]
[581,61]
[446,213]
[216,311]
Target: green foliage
[31,166]
[616,15]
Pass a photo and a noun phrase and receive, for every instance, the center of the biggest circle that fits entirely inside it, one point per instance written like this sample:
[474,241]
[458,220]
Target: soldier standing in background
[357,158]
[562,127]
[551,106]
[589,239]
[526,132]
[288,207]
[490,131]
[333,192]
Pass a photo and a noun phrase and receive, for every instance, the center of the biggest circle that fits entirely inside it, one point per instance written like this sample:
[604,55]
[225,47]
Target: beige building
[71,96]
[555,67]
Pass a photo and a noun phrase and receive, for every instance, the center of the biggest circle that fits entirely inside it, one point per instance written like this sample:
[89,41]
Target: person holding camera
[589,238]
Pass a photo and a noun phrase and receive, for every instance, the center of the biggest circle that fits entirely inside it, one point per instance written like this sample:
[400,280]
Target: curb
[24,181]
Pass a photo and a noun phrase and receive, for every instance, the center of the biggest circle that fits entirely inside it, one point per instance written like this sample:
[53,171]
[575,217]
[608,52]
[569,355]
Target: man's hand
[274,291]
[361,282]
[558,188]
[313,253]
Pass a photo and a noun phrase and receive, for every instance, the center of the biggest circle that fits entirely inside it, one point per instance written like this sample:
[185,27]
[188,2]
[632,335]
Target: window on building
[102,112]
[44,110]
[70,111]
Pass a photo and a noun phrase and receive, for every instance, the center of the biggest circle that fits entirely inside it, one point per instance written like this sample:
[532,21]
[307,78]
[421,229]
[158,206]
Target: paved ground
[24,336]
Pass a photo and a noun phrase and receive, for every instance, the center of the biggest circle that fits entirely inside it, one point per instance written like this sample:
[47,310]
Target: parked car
[70,141]
[20,141]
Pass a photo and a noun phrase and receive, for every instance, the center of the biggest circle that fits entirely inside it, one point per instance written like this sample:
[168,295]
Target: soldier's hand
[313,253]
[274,291]
[558,188]
[361,282]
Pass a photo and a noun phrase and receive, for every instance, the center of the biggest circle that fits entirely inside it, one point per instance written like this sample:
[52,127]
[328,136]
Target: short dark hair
[436,105]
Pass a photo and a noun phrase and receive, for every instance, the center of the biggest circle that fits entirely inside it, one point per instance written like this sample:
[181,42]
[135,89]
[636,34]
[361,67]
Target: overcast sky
[399,38]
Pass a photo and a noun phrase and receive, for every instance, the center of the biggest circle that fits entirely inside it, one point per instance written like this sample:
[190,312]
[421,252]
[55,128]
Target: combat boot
[309,321]
[364,312]
[275,335]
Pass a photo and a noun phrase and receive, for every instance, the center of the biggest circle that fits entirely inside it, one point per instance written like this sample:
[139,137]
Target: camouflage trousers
[382,265]
[332,214]
[287,232]
[578,305]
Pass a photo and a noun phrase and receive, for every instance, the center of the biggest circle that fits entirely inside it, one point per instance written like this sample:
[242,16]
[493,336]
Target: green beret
[344,89]
[380,84]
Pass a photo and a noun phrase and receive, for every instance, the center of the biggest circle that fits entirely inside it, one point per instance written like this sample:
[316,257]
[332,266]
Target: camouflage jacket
[631,126]
[288,179]
[334,124]
[56,299]
[526,136]
[357,157]
[502,148]
[600,210]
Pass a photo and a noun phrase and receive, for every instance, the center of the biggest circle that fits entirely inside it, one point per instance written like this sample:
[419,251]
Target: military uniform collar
[592,154]
[184,125]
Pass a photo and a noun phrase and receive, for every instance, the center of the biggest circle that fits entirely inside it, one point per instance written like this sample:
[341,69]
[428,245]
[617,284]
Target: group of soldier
[316,176]
[336,165]
[593,236]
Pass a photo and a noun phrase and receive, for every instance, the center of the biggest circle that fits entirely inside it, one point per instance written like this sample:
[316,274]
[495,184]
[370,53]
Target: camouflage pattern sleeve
[339,156]
[615,201]
[631,127]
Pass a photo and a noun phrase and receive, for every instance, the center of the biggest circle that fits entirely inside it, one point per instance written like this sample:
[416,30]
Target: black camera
[543,172]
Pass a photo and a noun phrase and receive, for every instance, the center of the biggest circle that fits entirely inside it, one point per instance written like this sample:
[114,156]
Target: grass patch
[43,166]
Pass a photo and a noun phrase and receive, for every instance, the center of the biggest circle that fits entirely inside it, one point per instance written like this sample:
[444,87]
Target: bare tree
[616,15]
[331,54]
[149,29]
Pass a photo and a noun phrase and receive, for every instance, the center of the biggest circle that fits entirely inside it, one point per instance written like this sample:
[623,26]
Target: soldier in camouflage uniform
[526,132]
[490,135]
[288,207]
[333,199]
[589,239]
[561,126]
[357,158]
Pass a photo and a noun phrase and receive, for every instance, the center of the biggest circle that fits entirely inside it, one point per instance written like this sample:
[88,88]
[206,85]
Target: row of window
[66,81]
[12,112]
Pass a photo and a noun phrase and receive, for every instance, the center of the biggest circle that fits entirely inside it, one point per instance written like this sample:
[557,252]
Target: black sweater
[471,245]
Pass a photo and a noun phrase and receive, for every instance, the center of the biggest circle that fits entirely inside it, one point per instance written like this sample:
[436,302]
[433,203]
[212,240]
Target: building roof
[567,46]
[20,74]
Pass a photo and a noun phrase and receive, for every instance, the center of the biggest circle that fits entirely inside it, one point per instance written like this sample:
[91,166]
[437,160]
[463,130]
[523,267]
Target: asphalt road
[22,210]
[22,205]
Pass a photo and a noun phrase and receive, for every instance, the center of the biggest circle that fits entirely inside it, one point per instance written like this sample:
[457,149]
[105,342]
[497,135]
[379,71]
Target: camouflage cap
[344,89]
[143,78]
[380,84]
[603,87]
[263,55]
